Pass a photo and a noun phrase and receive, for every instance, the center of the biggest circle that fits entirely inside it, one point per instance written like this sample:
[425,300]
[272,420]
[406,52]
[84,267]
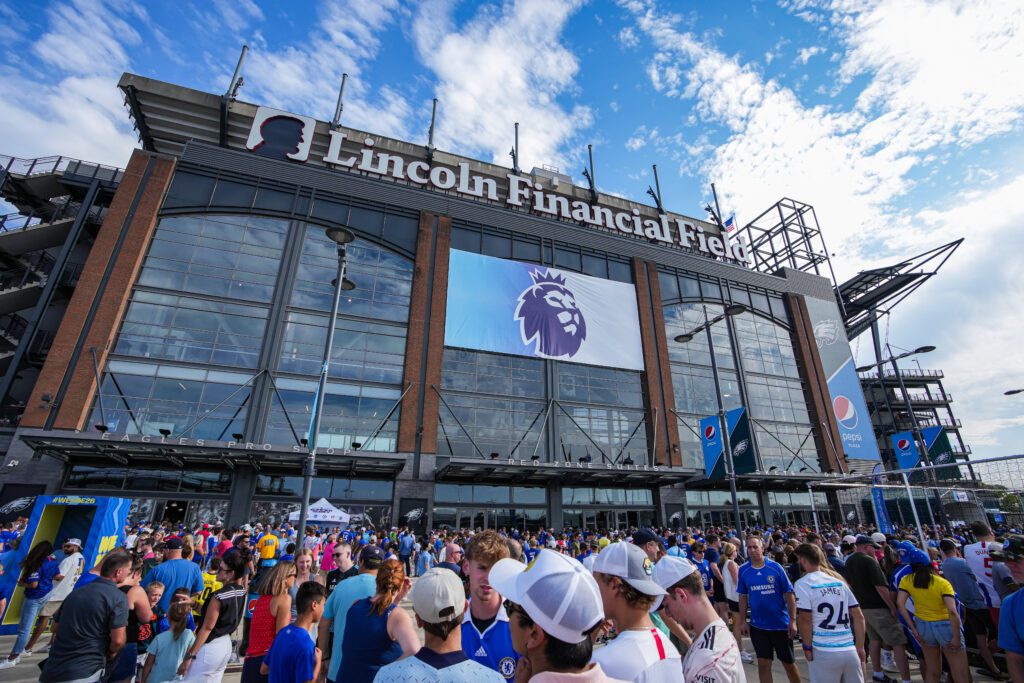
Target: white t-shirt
[70,569]
[714,657]
[646,656]
[980,563]
[729,582]
[829,600]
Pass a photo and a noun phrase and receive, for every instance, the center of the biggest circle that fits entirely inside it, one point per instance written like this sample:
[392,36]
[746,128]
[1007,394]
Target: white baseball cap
[438,596]
[850,538]
[668,572]
[555,591]
[74,541]
[878,537]
[630,563]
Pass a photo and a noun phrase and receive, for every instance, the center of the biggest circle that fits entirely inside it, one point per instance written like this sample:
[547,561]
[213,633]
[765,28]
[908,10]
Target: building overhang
[528,473]
[168,452]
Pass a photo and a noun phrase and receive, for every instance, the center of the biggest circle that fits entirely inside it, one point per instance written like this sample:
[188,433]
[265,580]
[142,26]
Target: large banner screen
[529,310]
[844,388]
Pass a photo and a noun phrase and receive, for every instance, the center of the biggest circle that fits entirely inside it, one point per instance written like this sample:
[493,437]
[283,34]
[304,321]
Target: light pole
[918,436]
[341,237]
[723,426]
[1012,392]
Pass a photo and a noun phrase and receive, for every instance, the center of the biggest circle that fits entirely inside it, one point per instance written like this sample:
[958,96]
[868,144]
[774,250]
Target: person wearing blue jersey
[1011,615]
[764,586]
[486,638]
[830,621]
[335,614]
[697,556]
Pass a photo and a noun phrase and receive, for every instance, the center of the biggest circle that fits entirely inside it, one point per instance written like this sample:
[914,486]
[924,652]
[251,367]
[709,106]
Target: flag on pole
[730,222]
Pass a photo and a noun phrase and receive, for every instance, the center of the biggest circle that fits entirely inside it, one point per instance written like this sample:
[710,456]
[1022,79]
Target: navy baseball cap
[643,536]
[371,556]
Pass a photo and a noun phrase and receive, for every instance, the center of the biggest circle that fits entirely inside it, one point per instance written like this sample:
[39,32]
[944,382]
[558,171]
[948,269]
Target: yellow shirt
[267,547]
[210,585]
[928,602]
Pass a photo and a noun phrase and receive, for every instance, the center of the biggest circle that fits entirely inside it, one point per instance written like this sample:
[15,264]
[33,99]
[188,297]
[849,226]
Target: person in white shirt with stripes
[830,621]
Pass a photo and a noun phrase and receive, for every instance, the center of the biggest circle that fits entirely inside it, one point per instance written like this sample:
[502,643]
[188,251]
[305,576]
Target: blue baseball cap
[903,548]
[917,557]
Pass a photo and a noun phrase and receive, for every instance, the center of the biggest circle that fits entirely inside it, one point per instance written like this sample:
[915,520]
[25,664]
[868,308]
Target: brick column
[657,379]
[826,431]
[94,313]
[424,347]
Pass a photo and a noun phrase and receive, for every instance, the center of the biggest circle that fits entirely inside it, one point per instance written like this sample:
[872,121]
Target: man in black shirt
[345,567]
[90,626]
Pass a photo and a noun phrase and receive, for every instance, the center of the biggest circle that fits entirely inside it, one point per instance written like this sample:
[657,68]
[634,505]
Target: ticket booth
[98,521]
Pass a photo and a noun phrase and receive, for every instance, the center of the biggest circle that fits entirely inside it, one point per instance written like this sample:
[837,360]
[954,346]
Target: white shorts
[210,661]
[836,667]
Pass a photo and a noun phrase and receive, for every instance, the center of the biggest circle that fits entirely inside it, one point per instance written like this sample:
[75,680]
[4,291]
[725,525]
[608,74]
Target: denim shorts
[936,633]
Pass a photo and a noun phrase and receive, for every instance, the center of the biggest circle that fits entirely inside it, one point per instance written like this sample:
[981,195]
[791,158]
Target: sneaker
[747,657]
[9,663]
[998,675]
[888,663]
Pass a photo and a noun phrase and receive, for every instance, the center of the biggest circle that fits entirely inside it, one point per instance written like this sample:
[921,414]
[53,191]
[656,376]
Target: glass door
[473,519]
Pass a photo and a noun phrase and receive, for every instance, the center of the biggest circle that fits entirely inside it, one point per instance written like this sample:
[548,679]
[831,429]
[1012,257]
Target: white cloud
[499,67]
[86,37]
[939,87]
[804,54]
[628,38]
[304,76]
[635,143]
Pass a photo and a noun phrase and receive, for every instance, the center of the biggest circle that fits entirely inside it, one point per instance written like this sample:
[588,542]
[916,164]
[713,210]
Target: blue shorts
[936,633]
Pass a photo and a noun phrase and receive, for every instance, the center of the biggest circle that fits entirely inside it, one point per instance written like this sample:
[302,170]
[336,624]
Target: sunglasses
[511,608]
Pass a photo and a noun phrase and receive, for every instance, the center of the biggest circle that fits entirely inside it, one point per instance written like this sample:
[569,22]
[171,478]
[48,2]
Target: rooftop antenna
[430,134]
[656,191]
[236,79]
[336,121]
[589,175]
[515,152]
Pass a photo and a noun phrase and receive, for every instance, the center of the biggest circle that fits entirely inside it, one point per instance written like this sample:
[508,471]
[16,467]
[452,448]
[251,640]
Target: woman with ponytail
[377,630]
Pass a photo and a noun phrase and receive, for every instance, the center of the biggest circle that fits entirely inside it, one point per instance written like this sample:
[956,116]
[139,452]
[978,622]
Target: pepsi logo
[903,444]
[710,432]
[846,413]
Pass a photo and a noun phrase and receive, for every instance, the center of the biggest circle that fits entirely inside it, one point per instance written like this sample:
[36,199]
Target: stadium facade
[507,358]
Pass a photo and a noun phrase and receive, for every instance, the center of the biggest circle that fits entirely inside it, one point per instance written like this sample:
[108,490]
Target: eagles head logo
[549,316]
[826,333]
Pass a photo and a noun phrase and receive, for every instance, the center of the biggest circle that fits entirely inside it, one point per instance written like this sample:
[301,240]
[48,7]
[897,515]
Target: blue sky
[899,120]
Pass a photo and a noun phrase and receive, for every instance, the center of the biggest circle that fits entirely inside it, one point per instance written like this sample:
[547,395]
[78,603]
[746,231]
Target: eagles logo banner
[524,309]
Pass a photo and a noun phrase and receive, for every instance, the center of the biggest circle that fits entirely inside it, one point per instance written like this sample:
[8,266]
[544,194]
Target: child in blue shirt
[293,657]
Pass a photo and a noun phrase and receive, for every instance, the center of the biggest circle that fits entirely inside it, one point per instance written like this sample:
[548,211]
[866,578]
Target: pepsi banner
[711,445]
[524,309]
[907,454]
[743,460]
[848,405]
[878,502]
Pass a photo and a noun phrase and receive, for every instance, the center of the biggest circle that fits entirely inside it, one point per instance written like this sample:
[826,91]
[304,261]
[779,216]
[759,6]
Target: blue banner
[524,309]
[743,460]
[711,444]
[907,455]
[878,502]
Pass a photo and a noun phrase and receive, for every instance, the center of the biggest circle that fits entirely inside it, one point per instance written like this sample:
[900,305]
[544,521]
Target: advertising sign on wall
[907,453]
[844,388]
[743,460]
[524,309]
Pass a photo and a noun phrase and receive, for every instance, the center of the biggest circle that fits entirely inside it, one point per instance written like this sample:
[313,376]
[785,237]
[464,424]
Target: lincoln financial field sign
[283,135]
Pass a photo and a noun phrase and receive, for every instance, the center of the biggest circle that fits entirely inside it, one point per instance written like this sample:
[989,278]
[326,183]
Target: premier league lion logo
[548,314]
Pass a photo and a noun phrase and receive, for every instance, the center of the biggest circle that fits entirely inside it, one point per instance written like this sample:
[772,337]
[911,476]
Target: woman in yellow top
[935,623]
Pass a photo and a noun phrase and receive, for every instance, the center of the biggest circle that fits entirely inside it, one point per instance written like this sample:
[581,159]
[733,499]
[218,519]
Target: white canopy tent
[322,512]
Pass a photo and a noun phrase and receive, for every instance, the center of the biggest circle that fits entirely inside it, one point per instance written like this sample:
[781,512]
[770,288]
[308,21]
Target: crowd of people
[505,605]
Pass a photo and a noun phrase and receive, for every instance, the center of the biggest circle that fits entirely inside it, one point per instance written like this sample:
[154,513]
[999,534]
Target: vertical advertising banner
[844,389]
[940,452]
[711,444]
[524,309]
[878,502]
[907,454]
[743,461]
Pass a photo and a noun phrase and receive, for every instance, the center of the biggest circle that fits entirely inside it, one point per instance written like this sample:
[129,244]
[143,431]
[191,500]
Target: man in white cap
[640,652]
[554,607]
[67,574]
[439,601]
[714,656]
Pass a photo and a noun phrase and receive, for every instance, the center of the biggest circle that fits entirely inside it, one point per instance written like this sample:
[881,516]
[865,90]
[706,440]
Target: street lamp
[734,309]
[341,237]
[918,436]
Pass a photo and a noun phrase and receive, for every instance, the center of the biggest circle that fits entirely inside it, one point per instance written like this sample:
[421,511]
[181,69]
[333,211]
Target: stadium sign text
[286,136]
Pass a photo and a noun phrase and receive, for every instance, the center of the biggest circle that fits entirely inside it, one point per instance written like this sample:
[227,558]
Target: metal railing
[933,398]
[905,372]
[18,277]
[15,222]
[60,165]
[904,423]
[13,326]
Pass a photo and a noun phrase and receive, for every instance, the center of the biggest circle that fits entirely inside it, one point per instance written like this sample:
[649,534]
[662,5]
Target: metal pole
[726,446]
[814,510]
[918,436]
[318,402]
[913,506]
[336,121]
[232,88]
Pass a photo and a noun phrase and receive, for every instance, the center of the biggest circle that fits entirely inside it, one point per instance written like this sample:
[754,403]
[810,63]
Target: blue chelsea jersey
[765,589]
[493,647]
